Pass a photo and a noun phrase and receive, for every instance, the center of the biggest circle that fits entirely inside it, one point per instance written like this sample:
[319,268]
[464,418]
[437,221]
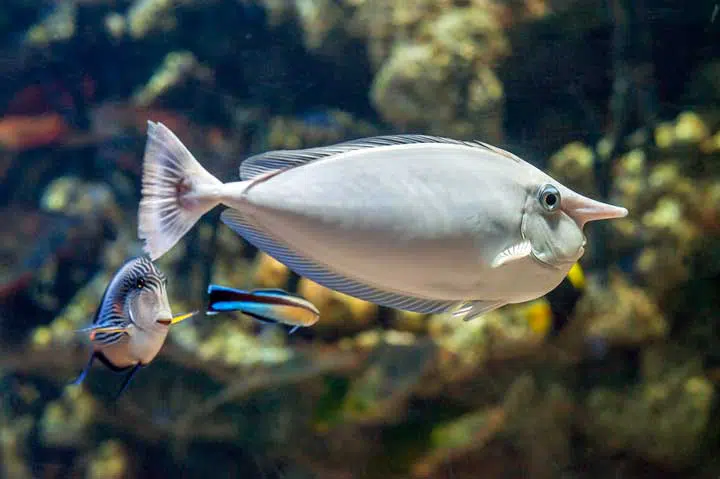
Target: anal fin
[474,309]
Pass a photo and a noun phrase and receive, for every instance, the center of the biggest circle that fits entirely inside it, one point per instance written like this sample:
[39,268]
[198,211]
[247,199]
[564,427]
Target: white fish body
[413,225]
[412,222]
[136,347]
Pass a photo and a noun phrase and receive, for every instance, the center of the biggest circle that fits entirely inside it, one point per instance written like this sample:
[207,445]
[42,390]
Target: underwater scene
[359,239]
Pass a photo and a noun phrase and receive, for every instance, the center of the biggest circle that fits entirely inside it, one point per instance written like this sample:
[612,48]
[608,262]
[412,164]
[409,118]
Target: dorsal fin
[264,163]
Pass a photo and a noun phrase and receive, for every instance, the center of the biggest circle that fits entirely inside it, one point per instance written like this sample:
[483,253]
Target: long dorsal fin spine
[264,163]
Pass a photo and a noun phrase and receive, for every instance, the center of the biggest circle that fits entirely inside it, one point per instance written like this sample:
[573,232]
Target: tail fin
[176,191]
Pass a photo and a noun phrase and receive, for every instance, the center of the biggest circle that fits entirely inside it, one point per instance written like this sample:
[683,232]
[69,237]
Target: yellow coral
[109,461]
[664,135]
[42,337]
[712,144]
[690,128]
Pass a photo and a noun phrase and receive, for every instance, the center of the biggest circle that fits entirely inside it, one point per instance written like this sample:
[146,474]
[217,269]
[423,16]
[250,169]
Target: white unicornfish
[132,320]
[412,222]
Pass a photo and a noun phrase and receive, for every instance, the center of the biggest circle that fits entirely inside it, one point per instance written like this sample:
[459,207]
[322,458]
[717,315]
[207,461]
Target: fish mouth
[175,319]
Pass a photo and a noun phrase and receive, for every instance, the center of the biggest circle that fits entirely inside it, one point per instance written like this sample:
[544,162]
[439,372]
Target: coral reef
[614,374]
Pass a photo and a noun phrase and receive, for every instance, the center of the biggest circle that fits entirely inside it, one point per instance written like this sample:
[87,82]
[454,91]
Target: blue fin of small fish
[128,377]
[84,372]
[101,357]
[126,381]
[263,163]
[325,277]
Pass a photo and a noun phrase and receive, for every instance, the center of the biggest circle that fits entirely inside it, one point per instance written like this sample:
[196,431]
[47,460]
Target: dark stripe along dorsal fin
[225,294]
[270,161]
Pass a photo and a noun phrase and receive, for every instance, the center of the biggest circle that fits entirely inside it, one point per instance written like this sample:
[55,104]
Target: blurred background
[613,374]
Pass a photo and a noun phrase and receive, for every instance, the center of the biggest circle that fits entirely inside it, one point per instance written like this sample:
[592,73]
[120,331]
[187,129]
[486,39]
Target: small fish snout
[163,314]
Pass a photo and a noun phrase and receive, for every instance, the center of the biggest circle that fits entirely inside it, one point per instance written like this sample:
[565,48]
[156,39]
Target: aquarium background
[612,375]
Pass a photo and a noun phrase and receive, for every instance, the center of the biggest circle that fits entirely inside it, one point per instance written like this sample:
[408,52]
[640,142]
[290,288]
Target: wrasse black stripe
[220,295]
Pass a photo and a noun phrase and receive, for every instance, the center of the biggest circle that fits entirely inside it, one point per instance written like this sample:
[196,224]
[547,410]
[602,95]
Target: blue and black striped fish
[264,305]
[132,320]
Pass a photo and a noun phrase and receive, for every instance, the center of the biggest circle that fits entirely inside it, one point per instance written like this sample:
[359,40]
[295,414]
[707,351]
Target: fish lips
[175,319]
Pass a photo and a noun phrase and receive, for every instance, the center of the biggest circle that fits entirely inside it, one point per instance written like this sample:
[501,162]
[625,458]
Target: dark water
[610,376]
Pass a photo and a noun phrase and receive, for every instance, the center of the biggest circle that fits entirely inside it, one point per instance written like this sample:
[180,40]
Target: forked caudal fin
[176,191]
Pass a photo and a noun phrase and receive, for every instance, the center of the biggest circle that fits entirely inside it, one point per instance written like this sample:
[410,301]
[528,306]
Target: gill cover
[555,238]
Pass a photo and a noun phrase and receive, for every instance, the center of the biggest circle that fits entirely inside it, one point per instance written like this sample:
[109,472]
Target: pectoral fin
[95,330]
[513,253]
[474,309]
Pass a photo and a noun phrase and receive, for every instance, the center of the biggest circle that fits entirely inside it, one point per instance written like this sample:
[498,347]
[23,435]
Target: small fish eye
[140,283]
[550,198]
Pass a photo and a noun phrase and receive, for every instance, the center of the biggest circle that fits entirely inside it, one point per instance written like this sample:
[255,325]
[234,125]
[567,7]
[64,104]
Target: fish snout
[163,315]
[583,209]
[170,319]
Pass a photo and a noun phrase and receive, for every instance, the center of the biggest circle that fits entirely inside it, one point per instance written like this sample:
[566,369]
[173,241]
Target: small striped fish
[132,320]
[270,306]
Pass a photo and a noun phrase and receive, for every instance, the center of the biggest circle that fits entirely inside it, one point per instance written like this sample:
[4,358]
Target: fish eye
[550,198]
[140,283]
